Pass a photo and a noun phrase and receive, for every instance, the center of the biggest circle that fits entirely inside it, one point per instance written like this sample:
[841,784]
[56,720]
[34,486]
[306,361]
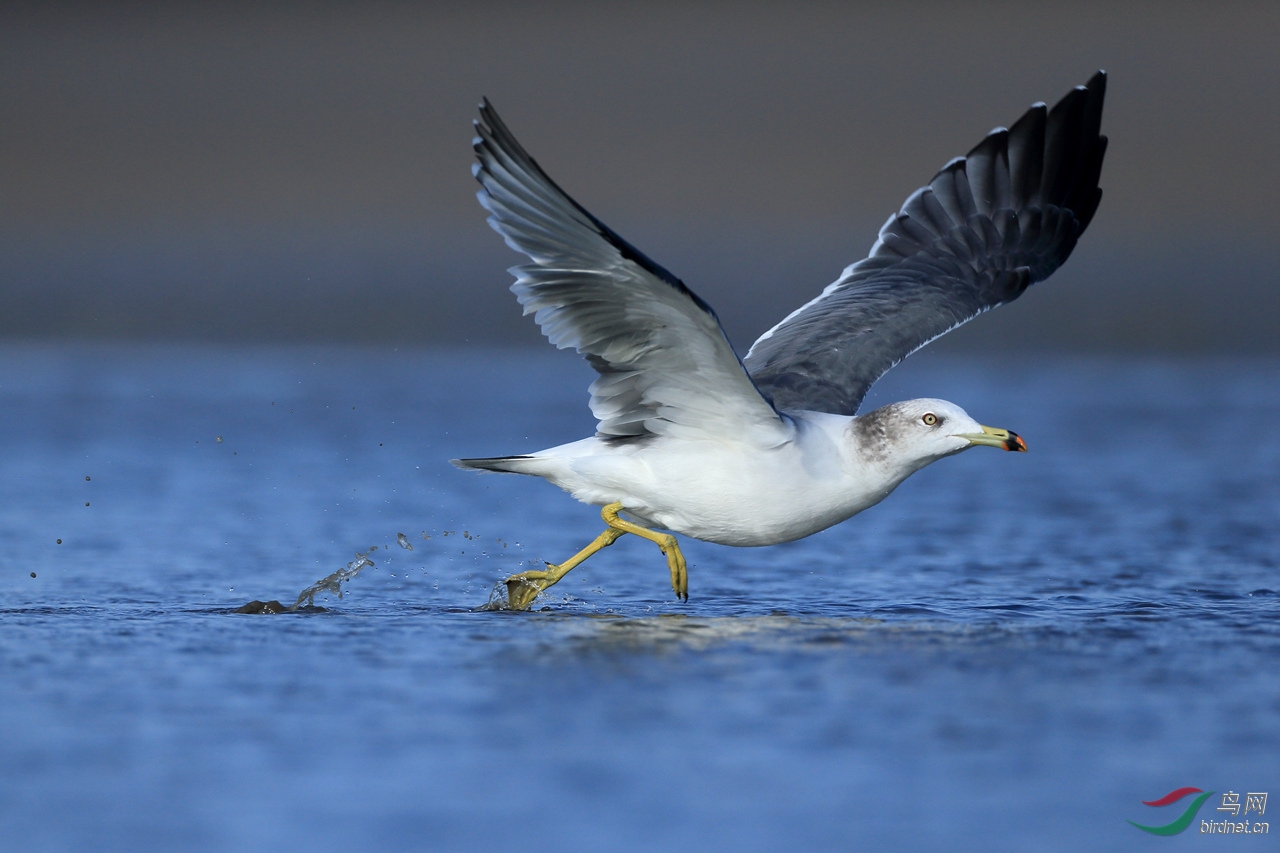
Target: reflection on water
[672,633]
[1008,654]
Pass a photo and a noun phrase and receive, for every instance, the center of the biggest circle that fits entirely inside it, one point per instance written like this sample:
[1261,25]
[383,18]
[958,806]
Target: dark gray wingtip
[501,464]
[1026,154]
[1085,200]
[987,226]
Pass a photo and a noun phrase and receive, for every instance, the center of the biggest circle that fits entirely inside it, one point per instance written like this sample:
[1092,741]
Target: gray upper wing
[665,364]
[986,227]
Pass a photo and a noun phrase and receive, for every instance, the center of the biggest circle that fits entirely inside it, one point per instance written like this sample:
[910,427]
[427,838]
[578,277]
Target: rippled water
[1009,654]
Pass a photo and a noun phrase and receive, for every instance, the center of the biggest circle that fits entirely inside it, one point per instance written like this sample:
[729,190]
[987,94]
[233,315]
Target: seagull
[770,448]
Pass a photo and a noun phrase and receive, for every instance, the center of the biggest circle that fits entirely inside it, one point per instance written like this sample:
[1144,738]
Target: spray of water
[333,583]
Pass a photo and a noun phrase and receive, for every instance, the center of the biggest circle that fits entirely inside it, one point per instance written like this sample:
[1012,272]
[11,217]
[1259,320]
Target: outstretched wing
[986,227]
[665,364]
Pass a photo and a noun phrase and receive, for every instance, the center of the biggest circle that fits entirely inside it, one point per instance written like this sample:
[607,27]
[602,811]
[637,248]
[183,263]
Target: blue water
[1008,654]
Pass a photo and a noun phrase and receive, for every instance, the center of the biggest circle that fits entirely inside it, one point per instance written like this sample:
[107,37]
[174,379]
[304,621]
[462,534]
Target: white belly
[721,492]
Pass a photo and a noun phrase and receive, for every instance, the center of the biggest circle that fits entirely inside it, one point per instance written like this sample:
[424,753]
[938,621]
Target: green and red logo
[1187,816]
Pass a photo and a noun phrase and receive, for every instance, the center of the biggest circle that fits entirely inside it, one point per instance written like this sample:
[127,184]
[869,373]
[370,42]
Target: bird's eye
[930,419]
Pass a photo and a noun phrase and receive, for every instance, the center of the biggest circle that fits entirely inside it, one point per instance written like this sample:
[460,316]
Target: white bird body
[738,490]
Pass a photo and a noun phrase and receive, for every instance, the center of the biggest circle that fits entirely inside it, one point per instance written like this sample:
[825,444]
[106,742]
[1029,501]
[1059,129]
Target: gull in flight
[771,448]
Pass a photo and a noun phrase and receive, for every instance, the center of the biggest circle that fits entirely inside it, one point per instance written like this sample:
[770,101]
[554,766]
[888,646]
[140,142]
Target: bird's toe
[520,590]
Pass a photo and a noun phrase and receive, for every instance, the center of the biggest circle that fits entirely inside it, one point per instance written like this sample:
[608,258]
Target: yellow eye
[930,419]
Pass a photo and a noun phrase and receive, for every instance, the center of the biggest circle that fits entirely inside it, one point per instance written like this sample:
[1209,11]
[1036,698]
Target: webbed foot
[523,588]
[675,562]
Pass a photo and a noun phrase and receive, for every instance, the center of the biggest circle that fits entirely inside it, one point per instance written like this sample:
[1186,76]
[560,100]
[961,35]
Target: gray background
[302,172]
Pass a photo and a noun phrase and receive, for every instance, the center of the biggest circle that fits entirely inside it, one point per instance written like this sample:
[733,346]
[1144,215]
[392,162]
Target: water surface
[1010,653]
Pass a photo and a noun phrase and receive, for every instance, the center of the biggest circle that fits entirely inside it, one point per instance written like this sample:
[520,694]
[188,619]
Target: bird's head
[914,433]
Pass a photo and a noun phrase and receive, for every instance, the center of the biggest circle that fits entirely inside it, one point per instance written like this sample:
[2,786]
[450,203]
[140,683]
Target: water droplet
[218,439]
[86,503]
[59,541]
[403,542]
[86,479]
[33,574]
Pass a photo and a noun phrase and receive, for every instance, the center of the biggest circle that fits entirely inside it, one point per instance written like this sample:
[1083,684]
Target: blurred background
[278,172]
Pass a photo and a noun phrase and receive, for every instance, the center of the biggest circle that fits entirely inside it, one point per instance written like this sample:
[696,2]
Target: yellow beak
[992,437]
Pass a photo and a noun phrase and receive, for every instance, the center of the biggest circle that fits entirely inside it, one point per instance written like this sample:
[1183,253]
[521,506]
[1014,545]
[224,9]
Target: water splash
[499,599]
[467,567]
[333,583]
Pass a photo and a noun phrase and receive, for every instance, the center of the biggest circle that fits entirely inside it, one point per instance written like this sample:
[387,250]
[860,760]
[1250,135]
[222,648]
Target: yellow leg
[523,588]
[666,544]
